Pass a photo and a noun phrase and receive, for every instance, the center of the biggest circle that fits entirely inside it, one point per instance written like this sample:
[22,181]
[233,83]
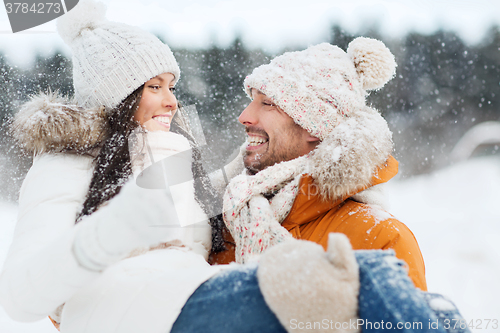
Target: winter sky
[268,24]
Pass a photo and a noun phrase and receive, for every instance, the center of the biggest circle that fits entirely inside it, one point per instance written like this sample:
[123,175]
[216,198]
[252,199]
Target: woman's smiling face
[158,103]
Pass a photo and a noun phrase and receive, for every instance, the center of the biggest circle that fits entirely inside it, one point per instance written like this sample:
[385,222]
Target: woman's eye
[172,89]
[268,104]
[154,87]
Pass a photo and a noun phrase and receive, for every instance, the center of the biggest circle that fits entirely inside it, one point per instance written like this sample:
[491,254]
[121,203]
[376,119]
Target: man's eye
[268,104]
[172,89]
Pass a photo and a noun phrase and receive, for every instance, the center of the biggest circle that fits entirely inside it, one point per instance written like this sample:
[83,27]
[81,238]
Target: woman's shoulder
[61,162]
[56,175]
[60,167]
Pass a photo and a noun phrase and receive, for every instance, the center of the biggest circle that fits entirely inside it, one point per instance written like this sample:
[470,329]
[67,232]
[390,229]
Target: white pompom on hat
[374,62]
[320,86]
[110,60]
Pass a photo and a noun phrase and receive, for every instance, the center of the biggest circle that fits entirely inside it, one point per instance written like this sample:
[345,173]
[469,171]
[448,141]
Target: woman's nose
[169,100]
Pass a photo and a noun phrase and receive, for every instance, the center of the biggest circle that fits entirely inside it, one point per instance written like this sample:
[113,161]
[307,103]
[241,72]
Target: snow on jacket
[145,292]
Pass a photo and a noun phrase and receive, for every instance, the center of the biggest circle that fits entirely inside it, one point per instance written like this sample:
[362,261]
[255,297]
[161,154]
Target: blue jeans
[228,302]
[388,301]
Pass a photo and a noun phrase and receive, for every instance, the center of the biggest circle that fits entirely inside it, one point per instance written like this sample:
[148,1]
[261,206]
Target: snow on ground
[455,216]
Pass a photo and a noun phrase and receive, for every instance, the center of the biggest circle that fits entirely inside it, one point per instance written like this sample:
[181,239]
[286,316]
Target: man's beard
[283,149]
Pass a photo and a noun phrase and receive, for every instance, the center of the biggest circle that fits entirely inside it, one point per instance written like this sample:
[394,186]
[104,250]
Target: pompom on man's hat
[321,85]
[110,60]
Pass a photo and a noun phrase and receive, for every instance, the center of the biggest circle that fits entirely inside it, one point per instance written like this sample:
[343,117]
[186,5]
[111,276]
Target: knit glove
[301,283]
[135,218]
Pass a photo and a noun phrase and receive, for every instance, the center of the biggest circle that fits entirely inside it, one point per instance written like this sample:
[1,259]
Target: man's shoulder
[368,212]
[367,223]
[372,227]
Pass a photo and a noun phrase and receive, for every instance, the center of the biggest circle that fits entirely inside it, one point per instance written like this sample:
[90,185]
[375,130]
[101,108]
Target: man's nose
[249,115]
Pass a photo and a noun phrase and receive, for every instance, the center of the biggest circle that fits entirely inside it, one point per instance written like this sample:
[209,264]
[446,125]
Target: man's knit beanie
[320,86]
[110,60]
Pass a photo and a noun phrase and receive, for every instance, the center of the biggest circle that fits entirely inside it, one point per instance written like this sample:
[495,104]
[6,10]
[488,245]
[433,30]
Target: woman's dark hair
[209,200]
[113,166]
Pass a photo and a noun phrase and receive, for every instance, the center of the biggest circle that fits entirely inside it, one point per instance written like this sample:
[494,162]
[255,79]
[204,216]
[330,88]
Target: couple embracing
[98,253]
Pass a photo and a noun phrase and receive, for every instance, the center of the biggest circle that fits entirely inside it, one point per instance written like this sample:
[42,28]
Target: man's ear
[311,138]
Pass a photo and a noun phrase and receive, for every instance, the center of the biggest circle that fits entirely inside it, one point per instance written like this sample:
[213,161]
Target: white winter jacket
[145,292]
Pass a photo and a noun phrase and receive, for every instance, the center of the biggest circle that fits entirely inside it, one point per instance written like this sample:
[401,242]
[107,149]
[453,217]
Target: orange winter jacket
[367,227]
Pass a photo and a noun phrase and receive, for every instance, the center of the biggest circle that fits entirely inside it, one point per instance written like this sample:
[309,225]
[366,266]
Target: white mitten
[135,218]
[303,284]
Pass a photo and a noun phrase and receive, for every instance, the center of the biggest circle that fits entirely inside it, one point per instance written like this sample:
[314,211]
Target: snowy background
[271,24]
[448,81]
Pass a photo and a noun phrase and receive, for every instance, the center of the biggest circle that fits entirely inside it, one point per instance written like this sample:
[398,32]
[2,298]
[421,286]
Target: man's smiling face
[273,136]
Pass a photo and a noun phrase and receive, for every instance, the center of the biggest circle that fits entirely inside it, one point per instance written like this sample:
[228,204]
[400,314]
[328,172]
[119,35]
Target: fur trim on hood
[52,123]
[345,161]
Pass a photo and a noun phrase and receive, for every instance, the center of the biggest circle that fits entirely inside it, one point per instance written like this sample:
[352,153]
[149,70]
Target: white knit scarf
[253,220]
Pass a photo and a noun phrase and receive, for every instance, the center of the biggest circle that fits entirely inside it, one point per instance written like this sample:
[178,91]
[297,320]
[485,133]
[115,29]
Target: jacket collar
[310,203]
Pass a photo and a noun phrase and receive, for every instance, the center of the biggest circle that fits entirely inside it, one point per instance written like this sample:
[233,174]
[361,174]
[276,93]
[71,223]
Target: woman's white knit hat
[110,60]
[321,85]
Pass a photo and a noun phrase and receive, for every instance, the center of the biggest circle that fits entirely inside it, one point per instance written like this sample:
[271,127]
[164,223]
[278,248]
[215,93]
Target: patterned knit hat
[110,60]
[321,85]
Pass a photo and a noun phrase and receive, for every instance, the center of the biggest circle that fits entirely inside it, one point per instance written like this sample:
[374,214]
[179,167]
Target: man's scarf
[255,206]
